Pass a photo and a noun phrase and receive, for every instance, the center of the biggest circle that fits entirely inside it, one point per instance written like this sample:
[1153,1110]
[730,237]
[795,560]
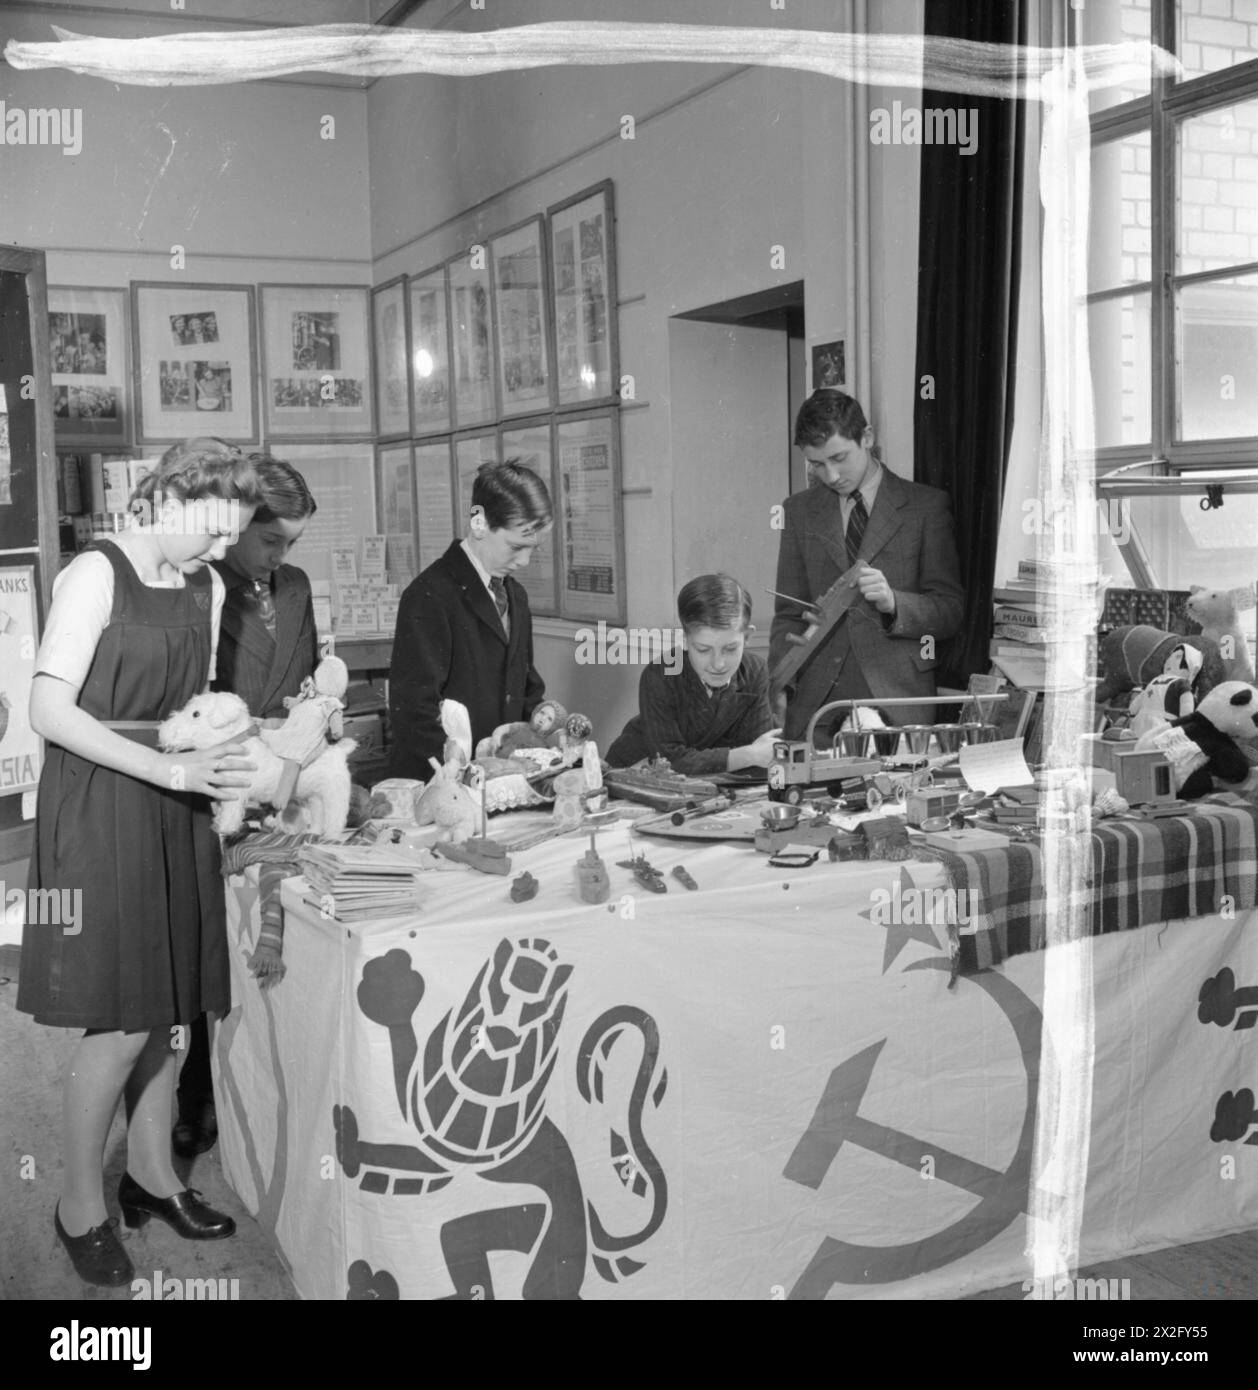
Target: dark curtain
[967,318]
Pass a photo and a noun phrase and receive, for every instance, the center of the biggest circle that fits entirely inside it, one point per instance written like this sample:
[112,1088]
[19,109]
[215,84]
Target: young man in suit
[857,511]
[464,631]
[267,646]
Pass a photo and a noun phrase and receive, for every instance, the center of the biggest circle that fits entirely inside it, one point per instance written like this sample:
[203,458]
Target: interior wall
[239,177]
[706,190]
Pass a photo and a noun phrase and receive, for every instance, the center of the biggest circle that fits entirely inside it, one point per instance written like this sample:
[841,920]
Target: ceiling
[32,19]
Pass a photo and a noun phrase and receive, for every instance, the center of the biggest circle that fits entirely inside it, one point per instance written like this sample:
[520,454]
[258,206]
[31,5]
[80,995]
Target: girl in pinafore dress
[131,637]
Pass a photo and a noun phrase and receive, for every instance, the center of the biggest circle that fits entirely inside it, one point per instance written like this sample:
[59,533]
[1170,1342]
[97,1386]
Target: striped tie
[856,529]
[500,597]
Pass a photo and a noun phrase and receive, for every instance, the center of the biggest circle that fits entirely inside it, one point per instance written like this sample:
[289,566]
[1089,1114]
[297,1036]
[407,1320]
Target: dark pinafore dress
[151,946]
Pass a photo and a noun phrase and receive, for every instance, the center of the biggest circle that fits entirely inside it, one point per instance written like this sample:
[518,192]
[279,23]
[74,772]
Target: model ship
[658,785]
[645,873]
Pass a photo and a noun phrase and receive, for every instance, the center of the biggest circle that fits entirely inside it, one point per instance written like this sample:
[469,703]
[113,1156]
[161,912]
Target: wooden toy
[523,888]
[683,877]
[593,883]
[822,616]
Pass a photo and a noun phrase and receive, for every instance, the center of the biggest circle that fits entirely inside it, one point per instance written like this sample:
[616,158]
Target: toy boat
[658,786]
[645,873]
[486,856]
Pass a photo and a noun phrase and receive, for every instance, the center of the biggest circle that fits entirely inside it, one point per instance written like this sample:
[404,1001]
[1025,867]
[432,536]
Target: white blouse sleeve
[82,600]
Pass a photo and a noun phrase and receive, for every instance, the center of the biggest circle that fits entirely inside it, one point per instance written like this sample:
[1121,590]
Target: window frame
[1167,105]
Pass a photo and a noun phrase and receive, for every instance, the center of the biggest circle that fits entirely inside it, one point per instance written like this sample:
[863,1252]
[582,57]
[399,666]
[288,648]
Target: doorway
[736,381]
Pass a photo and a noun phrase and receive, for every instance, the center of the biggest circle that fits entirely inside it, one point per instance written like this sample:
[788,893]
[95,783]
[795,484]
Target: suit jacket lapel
[825,532]
[475,594]
[289,609]
[885,519]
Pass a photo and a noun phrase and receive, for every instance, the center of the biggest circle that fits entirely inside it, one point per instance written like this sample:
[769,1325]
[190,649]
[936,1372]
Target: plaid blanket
[1137,873]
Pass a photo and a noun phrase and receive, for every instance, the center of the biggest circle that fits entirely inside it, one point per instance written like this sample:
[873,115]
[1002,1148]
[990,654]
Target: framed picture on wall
[195,355]
[340,476]
[91,365]
[316,357]
[471,339]
[434,492]
[469,453]
[518,262]
[531,445]
[395,493]
[583,281]
[589,515]
[391,342]
[430,353]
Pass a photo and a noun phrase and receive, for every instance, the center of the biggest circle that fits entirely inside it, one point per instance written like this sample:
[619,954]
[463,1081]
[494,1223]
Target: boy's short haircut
[825,413]
[285,496]
[511,495]
[714,600]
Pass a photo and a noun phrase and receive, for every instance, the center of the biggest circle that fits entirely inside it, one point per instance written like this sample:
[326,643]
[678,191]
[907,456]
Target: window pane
[1118,332]
[1218,189]
[1113,22]
[1119,234]
[1215,34]
[1187,546]
[1217,333]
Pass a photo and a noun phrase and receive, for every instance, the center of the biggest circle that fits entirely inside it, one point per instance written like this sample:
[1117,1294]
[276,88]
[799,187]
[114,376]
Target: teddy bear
[1218,611]
[1172,695]
[322,785]
[1207,744]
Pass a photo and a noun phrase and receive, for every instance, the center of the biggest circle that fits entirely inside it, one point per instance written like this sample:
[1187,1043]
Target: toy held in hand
[322,784]
[1206,746]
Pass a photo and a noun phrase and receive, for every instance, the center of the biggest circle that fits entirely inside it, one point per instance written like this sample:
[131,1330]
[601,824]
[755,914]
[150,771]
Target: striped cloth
[276,853]
[1137,873]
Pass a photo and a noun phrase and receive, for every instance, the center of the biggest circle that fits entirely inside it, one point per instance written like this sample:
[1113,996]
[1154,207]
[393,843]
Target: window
[1173,245]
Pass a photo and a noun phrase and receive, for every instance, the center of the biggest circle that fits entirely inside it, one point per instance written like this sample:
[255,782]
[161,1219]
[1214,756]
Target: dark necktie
[856,529]
[500,597]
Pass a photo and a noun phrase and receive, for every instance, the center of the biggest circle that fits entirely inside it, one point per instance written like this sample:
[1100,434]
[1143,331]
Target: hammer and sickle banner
[837,1122]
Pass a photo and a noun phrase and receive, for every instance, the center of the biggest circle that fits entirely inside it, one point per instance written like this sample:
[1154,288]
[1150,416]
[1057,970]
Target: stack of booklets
[1020,639]
[1016,806]
[362,881]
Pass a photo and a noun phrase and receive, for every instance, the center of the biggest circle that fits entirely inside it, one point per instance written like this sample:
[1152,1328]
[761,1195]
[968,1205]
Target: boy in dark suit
[910,584]
[267,646]
[464,631]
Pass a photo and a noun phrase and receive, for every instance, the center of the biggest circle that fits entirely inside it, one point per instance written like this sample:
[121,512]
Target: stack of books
[1020,639]
[1016,806]
[357,882]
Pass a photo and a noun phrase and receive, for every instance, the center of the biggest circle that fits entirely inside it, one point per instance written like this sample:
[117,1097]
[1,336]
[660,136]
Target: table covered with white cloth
[764,1088]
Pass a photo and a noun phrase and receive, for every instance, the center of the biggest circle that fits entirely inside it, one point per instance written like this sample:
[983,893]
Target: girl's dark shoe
[98,1256]
[184,1213]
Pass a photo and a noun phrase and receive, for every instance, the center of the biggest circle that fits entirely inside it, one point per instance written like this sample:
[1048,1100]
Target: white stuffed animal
[217,717]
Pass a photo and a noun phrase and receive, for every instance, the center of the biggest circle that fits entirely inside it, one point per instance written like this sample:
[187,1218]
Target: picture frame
[531,443]
[316,353]
[391,338]
[91,365]
[429,300]
[341,477]
[473,368]
[434,500]
[517,262]
[194,358]
[589,514]
[396,511]
[470,452]
[581,240]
